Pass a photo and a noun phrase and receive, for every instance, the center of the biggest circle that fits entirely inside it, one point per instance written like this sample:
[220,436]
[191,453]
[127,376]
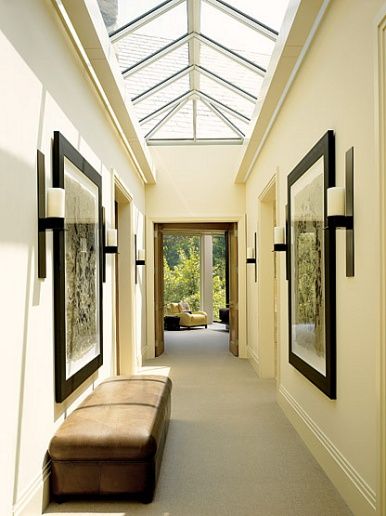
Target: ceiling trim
[83,22]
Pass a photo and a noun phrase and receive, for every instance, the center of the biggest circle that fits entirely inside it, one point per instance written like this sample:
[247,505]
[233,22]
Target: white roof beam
[147,17]
[166,118]
[194,26]
[166,107]
[247,20]
[220,115]
[162,84]
[204,96]
[157,55]
[226,84]
[231,54]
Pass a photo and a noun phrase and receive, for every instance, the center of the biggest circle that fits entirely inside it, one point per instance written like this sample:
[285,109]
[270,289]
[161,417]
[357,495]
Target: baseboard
[36,497]
[354,490]
[254,360]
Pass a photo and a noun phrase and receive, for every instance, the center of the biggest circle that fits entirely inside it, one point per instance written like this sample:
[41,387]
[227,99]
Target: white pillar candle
[56,203]
[141,254]
[278,235]
[250,252]
[112,238]
[335,201]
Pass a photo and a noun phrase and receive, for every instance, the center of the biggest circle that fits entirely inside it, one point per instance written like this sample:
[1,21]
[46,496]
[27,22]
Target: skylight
[193,69]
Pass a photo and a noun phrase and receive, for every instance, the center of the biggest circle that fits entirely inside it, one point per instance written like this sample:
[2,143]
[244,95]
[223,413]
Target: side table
[171,323]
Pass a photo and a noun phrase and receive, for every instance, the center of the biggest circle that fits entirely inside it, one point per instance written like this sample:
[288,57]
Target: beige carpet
[230,450]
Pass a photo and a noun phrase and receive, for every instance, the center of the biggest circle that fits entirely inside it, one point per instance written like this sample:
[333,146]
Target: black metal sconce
[251,256]
[279,239]
[51,211]
[340,210]
[139,257]
[109,242]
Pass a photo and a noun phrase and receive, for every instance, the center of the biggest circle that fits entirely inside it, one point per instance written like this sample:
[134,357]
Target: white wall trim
[35,488]
[254,360]
[335,464]
[380,117]
[287,87]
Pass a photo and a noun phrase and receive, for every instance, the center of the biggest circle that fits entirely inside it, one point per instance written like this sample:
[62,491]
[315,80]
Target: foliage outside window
[182,271]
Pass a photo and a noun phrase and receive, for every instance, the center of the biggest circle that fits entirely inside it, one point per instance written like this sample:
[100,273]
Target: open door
[158,290]
[117,308]
[233,291]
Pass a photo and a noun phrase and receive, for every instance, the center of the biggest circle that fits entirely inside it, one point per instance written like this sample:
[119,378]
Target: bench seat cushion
[113,442]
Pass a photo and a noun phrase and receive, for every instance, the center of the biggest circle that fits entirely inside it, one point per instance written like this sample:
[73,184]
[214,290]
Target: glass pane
[230,70]
[226,96]
[148,126]
[269,13]
[179,126]
[153,36]
[235,35]
[117,13]
[209,125]
[156,72]
[243,126]
[162,97]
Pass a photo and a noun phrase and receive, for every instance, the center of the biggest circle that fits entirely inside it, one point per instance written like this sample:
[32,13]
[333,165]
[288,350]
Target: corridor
[230,450]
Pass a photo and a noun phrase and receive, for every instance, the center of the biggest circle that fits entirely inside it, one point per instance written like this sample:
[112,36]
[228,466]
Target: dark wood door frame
[230,229]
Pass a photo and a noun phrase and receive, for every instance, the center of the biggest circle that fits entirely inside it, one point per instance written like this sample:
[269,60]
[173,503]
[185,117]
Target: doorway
[200,230]
[124,281]
[267,293]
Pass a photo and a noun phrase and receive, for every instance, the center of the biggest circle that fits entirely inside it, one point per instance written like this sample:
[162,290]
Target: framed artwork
[311,268]
[77,270]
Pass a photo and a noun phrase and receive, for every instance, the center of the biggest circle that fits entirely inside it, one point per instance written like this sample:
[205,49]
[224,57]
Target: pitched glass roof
[193,68]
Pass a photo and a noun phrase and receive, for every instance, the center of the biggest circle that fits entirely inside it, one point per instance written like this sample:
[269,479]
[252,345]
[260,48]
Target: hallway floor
[230,450]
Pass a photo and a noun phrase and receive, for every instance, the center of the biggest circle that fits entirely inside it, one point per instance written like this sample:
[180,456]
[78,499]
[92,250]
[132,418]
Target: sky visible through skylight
[220,90]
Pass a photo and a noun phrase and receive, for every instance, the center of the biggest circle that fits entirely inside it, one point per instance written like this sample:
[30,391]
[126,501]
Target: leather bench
[112,444]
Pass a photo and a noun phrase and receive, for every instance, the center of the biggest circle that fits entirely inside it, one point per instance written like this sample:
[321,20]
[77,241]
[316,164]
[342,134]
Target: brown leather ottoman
[112,444]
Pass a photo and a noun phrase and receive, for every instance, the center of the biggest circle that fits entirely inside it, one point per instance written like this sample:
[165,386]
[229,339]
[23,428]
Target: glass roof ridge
[205,60]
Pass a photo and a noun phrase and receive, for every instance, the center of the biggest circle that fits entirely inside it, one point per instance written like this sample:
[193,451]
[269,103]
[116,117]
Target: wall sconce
[279,243]
[111,246]
[251,258]
[109,243]
[340,210]
[51,212]
[251,255]
[141,254]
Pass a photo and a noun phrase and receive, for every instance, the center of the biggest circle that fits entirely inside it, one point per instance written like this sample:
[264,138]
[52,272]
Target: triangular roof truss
[197,72]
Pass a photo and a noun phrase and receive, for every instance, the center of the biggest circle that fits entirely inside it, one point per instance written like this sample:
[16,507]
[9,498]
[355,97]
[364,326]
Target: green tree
[182,278]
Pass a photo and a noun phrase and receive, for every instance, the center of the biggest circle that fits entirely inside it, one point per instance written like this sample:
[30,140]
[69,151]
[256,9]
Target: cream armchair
[187,319]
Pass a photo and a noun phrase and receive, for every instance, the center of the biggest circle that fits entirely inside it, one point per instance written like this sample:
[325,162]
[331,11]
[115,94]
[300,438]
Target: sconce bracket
[140,262]
[279,247]
[111,249]
[51,223]
[251,260]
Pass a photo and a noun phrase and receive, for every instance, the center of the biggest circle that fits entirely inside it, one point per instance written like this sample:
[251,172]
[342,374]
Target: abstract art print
[312,268]
[77,271]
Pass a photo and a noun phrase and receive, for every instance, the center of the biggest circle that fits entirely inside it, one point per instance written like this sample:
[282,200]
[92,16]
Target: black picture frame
[78,270]
[311,267]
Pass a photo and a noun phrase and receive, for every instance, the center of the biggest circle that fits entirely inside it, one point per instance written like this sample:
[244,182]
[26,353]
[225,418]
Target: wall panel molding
[35,498]
[359,496]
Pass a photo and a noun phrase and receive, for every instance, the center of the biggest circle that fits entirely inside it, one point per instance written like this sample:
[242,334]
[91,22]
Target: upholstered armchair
[187,318]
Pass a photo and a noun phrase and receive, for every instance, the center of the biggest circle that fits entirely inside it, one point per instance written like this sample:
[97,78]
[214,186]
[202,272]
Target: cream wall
[44,87]
[334,89]
[195,183]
